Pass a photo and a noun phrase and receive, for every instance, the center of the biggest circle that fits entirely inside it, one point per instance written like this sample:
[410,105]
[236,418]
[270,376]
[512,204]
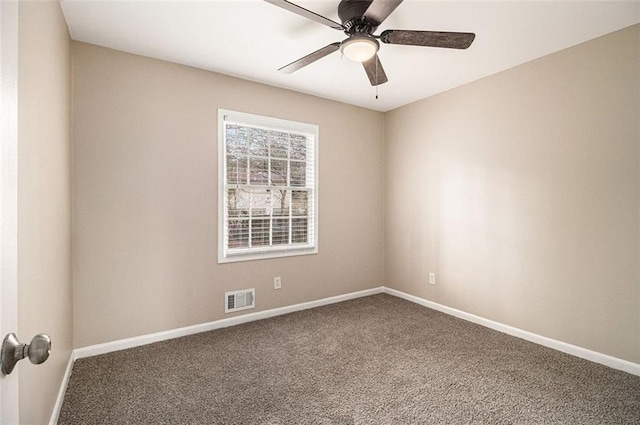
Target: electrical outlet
[432,278]
[277,282]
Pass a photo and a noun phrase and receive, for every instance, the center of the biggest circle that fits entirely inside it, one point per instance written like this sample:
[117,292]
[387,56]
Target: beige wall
[44,201]
[521,191]
[145,197]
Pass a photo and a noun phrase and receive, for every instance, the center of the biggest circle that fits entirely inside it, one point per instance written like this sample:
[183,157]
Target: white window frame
[226,255]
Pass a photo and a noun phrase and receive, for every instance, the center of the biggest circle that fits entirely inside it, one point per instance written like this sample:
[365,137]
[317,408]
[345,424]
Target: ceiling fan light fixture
[360,20]
[359,48]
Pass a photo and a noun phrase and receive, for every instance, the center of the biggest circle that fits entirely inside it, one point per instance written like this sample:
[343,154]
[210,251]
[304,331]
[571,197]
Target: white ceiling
[251,39]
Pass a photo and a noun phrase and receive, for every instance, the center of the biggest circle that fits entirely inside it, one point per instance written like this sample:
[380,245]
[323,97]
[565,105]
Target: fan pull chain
[377,79]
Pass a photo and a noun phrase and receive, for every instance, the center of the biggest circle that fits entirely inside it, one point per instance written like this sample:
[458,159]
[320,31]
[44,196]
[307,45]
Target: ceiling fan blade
[310,58]
[379,10]
[451,40]
[291,7]
[375,71]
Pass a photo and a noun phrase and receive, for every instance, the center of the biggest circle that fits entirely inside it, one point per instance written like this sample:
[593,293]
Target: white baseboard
[94,350]
[123,344]
[594,356]
[108,347]
[63,389]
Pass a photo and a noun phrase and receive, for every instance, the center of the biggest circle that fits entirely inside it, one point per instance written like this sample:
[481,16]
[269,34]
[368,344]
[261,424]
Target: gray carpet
[373,360]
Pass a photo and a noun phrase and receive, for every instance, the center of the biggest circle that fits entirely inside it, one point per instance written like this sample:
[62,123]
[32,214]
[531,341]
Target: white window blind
[268,190]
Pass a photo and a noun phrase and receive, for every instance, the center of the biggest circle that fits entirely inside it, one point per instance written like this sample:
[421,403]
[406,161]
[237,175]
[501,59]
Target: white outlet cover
[277,282]
[432,278]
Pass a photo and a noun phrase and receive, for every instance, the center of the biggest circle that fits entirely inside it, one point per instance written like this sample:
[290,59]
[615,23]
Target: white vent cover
[239,300]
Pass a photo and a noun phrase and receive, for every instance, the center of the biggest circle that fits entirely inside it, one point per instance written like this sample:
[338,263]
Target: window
[267,193]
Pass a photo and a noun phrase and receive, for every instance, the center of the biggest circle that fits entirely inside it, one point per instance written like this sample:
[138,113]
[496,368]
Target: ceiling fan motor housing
[351,14]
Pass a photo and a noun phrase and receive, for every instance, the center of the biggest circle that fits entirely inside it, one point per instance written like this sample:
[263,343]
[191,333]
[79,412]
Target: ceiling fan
[360,19]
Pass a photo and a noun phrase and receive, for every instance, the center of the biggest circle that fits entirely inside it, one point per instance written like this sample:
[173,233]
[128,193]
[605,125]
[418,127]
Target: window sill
[264,255]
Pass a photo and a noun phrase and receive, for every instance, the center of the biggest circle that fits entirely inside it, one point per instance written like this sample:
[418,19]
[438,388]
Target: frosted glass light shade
[359,48]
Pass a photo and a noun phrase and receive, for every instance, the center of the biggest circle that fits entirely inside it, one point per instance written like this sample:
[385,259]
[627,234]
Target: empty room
[320,212]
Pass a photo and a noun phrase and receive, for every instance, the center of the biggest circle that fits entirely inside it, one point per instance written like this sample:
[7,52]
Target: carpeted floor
[373,360]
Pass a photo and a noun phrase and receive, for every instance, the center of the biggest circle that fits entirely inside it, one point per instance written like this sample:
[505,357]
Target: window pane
[280,231]
[299,202]
[236,170]
[299,230]
[238,233]
[259,232]
[278,172]
[260,203]
[237,140]
[238,203]
[279,144]
[281,202]
[298,173]
[298,147]
[258,142]
[232,142]
[259,171]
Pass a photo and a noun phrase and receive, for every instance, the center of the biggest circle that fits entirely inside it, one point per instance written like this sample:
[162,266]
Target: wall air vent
[239,300]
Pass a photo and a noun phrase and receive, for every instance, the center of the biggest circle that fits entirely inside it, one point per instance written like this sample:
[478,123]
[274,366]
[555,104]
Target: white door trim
[9,406]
